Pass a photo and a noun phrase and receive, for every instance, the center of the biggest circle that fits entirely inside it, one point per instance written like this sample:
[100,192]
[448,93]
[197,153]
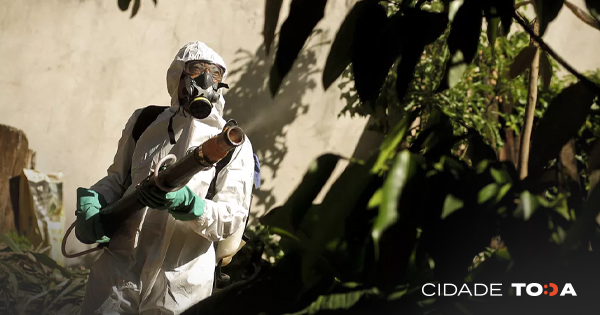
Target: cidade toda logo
[495,289]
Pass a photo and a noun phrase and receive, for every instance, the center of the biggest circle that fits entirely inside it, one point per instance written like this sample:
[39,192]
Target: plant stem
[530,109]
[535,36]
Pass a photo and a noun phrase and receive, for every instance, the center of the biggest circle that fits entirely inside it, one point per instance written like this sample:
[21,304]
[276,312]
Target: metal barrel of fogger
[176,175]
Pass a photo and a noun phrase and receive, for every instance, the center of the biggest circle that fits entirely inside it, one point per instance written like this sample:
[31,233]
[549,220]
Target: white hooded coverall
[155,264]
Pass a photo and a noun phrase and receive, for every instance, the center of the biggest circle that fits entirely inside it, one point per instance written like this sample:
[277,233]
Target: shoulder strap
[145,119]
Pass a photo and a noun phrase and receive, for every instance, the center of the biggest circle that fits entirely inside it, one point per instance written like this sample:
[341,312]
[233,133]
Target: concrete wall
[577,42]
[73,71]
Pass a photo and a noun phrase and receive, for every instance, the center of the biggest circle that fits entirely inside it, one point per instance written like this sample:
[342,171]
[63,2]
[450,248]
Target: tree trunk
[509,150]
[530,110]
[14,154]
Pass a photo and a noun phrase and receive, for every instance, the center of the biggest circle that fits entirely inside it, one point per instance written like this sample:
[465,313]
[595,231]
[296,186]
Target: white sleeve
[229,208]
[115,183]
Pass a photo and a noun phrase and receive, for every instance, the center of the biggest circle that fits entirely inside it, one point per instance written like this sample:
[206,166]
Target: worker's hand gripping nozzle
[177,174]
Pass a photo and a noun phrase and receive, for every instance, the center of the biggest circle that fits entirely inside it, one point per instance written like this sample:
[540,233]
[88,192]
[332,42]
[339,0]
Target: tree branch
[556,57]
[532,93]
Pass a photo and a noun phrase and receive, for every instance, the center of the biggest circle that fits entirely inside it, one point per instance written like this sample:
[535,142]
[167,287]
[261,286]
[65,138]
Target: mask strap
[170,127]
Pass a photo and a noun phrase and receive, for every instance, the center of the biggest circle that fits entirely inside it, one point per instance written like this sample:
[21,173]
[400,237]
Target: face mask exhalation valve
[201,95]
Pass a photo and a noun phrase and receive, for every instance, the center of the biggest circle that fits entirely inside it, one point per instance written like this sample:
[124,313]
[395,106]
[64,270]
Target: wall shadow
[263,118]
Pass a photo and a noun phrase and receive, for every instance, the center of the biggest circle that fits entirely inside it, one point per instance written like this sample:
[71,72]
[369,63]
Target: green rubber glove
[88,228]
[182,204]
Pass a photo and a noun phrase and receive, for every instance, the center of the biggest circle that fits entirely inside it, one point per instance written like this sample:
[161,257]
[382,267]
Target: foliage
[435,213]
[31,282]
[262,249]
[443,80]
[415,212]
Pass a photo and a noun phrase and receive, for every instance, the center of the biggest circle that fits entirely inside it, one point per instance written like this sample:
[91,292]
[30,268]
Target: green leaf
[425,28]
[136,8]
[437,138]
[272,10]
[451,204]
[9,242]
[583,16]
[390,144]
[375,47]
[581,231]
[312,183]
[506,9]
[285,233]
[487,193]
[337,301]
[492,31]
[46,260]
[547,10]
[594,8]
[346,194]
[478,150]
[290,215]
[527,207]
[553,130]
[522,61]
[453,9]
[401,173]
[503,190]
[496,11]
[375,200]
[302,19]
[340,54]
[500,176]
[463,41]
[123,4]
[545,70]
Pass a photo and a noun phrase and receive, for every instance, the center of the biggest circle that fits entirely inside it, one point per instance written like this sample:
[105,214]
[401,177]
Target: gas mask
[198,95]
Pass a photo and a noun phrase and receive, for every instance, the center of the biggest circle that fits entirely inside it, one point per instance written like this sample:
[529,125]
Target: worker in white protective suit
[162,260]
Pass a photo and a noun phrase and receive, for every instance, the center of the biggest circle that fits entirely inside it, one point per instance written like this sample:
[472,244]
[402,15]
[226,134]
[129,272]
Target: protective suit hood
[193,51]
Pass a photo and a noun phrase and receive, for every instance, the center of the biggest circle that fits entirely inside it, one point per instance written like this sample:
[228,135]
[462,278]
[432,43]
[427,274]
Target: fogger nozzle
[216,148]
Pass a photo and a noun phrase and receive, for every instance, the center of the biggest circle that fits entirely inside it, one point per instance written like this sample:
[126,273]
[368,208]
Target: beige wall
[575,41]
[73,71]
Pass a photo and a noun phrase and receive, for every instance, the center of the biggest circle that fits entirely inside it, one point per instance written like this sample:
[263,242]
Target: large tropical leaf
[547,10]
[340,54]
[290,215]
[553,130]
[579,234]
[425,28]
[304,16]
[545,70]
[463,41]
[370,61]
[272,9]
[124,4]
[498,12]
[522,61]
[405,167]
[392,141]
